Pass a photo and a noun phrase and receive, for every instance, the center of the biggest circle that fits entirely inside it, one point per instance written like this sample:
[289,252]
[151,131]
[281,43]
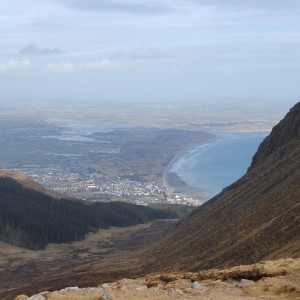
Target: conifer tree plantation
[32,219]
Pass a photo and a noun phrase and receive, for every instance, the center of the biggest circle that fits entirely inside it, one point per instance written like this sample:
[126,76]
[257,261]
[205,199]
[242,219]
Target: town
[74,181]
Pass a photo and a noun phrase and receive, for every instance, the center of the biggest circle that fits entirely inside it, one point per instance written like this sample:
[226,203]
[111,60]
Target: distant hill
[26,181]
[31,217]
[255,218]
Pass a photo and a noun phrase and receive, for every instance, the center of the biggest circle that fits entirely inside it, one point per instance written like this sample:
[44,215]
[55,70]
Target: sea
[213,166]
[78,132]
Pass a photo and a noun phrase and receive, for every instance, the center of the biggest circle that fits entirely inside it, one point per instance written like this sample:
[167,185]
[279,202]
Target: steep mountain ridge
[283,137]
[256,217]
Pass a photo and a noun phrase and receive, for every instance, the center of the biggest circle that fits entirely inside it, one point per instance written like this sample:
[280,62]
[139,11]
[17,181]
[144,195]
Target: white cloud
[227,45]
[105,64]
[69,67]
[15,66]
[63,67]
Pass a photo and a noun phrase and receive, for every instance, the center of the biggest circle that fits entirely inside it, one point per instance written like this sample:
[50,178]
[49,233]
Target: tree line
[32,219]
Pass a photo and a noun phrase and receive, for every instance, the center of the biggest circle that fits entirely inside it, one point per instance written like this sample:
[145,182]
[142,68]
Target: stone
[91,290]
[22,297]
[247,281]
[179,291]
[142,288]
[107,296]
[71,289]
[105,286]
[196,285]
[37,297]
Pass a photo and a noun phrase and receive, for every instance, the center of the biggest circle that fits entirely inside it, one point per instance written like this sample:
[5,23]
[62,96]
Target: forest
[32,219]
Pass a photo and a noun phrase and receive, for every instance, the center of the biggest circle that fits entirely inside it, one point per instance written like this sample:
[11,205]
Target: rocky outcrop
[267,280]
[281,140]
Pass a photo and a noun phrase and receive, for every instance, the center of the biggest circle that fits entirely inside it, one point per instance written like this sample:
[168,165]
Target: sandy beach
[175,184]
[203,170]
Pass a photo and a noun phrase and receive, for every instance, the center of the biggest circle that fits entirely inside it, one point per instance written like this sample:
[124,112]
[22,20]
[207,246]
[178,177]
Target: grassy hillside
[32,219]
[255,218]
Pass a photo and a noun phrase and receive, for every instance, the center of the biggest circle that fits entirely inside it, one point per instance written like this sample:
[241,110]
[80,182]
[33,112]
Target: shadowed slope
[257,217]
[31,218]
[284,136]
[27,182]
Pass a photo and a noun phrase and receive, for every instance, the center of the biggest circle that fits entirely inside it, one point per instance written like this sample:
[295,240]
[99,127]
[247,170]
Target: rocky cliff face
[255,218]
[283,137]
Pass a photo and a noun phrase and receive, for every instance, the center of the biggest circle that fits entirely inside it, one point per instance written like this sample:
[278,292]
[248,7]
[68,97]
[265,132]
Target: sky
[149,50]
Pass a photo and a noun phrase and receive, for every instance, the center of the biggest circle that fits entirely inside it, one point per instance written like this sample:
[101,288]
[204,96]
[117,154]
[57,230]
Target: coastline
[174,183]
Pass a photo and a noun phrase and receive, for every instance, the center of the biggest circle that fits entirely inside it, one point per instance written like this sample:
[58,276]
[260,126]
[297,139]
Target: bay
[213,166]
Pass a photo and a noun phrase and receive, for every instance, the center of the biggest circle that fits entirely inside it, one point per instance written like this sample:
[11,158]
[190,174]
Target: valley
[150,150]
[104,253]
[253,220]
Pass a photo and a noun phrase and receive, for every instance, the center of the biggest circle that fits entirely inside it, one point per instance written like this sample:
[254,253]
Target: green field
[126,152]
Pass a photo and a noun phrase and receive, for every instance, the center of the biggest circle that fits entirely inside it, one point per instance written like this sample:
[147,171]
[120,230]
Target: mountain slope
[26,182]
[283,138]
[255,218]
[31,218]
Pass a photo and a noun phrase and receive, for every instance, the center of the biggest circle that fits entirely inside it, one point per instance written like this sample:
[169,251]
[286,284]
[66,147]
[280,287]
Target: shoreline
[175,184]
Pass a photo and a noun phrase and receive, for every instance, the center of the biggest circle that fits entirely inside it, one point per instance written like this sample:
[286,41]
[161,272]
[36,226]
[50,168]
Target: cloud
[15,66]
[63,67]
[124,6]
[149,53]
[68,67]
[33,50]
[105,64]
[167,54]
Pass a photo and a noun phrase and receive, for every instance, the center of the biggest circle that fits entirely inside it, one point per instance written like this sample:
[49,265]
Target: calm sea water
[213,166]
[78,132]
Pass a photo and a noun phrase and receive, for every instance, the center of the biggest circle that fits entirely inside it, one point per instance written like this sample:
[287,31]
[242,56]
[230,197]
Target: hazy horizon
[88,51]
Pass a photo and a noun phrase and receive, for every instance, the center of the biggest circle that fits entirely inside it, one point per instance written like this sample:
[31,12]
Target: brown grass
[275,280]
[252,272]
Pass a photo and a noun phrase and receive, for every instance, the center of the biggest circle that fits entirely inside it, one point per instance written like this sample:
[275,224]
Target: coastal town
[87,184]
